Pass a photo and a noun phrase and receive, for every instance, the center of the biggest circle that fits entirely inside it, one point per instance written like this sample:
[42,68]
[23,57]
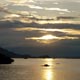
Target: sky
[40,27]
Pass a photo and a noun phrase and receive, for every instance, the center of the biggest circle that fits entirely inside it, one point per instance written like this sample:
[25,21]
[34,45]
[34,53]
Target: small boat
[46,65]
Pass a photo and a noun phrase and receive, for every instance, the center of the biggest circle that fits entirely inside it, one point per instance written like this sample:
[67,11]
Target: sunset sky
[40,26]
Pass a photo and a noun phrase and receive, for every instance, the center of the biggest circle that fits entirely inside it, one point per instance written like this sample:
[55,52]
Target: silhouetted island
[46,65]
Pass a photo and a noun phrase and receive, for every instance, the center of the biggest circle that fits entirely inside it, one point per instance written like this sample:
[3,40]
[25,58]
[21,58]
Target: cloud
[57,9]
[52,38]
[4,9]
[77,1]
[55,34]
[48,39]
[56,3]
[26,17]
[20,1]
[58,34]
[31,6]
[12,22]
[49,9]
[35,7]
[12,16]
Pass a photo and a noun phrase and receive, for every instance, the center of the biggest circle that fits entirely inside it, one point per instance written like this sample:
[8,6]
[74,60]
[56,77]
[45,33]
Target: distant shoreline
[46,58]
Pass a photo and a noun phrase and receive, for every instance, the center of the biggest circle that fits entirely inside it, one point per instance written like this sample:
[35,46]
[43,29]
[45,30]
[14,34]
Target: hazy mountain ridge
[8,53]
[54,52]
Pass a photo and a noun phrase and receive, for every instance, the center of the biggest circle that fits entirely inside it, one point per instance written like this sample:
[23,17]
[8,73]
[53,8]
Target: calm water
[33,69]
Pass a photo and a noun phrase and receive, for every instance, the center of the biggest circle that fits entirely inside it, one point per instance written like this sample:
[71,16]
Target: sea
[36,69]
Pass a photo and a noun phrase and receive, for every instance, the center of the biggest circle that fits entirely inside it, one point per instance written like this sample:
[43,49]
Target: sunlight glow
[45,37]
[51,21]
[49,61]
[12,16]
[51,37]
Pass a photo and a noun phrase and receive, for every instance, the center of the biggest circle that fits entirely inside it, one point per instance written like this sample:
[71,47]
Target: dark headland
[5,59]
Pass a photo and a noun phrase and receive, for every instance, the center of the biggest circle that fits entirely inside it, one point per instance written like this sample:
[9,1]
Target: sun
[48,37]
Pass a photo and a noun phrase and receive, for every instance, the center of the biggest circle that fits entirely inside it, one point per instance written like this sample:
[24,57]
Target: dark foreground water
[33,69]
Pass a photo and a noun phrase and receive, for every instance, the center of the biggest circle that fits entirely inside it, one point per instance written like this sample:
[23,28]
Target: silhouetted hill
[5,60]
[8,53]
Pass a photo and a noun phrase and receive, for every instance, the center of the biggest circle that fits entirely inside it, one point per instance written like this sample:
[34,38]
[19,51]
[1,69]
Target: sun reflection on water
[49,61]
[48,73]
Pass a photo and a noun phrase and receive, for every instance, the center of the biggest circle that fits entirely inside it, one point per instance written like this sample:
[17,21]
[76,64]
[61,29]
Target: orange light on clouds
[45,37]
[68,31]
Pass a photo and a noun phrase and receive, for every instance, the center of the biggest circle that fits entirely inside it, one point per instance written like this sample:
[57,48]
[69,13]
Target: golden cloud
[67,31]
[20,1]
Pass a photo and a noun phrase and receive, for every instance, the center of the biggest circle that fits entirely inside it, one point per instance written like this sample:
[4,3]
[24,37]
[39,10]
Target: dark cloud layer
[17,23]
[66,17]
